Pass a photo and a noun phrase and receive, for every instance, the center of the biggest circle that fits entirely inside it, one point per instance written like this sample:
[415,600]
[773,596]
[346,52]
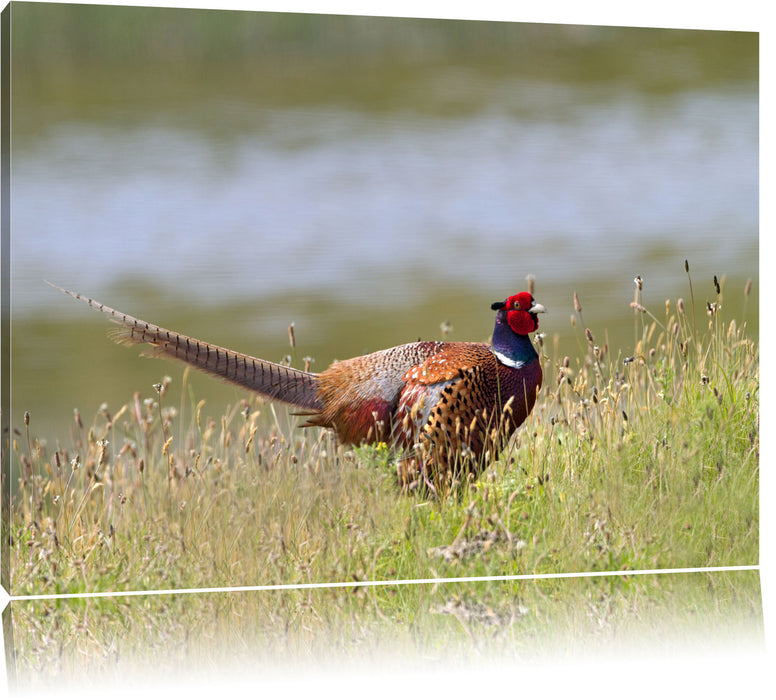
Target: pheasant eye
[516,305]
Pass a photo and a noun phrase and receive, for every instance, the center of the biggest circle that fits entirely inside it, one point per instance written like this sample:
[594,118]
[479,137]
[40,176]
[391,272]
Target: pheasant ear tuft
[496,305]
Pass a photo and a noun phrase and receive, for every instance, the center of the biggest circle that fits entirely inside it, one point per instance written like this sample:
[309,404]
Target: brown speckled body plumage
[444,404]
[449,407]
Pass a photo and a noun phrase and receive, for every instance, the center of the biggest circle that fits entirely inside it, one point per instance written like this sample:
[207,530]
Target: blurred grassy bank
[83,59]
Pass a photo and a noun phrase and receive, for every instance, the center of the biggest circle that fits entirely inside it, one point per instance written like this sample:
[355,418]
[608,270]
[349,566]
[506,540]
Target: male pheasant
[448,406]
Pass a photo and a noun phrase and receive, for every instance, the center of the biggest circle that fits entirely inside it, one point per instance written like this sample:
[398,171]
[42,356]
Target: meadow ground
[648,460]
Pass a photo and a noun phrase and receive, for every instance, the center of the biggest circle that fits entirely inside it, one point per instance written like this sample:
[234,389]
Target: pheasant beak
[537,309]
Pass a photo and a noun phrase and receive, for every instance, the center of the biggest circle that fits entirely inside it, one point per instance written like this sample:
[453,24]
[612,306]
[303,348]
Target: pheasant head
[519,311]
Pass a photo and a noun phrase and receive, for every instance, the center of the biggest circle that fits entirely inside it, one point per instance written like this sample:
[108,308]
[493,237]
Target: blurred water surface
[364,199]
[350,205]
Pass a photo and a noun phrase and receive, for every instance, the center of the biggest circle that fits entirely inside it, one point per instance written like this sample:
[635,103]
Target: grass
[644,460]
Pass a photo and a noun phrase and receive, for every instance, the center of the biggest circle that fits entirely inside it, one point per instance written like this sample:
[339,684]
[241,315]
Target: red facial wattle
[519,317]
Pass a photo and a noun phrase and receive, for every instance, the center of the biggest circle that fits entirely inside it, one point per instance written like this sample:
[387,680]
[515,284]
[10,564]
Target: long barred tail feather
[271,380]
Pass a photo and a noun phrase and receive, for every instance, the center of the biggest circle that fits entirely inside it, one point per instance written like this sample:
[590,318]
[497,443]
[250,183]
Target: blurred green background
[226,173]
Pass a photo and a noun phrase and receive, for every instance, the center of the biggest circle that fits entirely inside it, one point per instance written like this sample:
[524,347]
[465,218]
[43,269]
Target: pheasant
[447,406]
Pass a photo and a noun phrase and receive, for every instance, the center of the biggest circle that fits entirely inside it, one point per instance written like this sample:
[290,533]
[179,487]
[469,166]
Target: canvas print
[332,338]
